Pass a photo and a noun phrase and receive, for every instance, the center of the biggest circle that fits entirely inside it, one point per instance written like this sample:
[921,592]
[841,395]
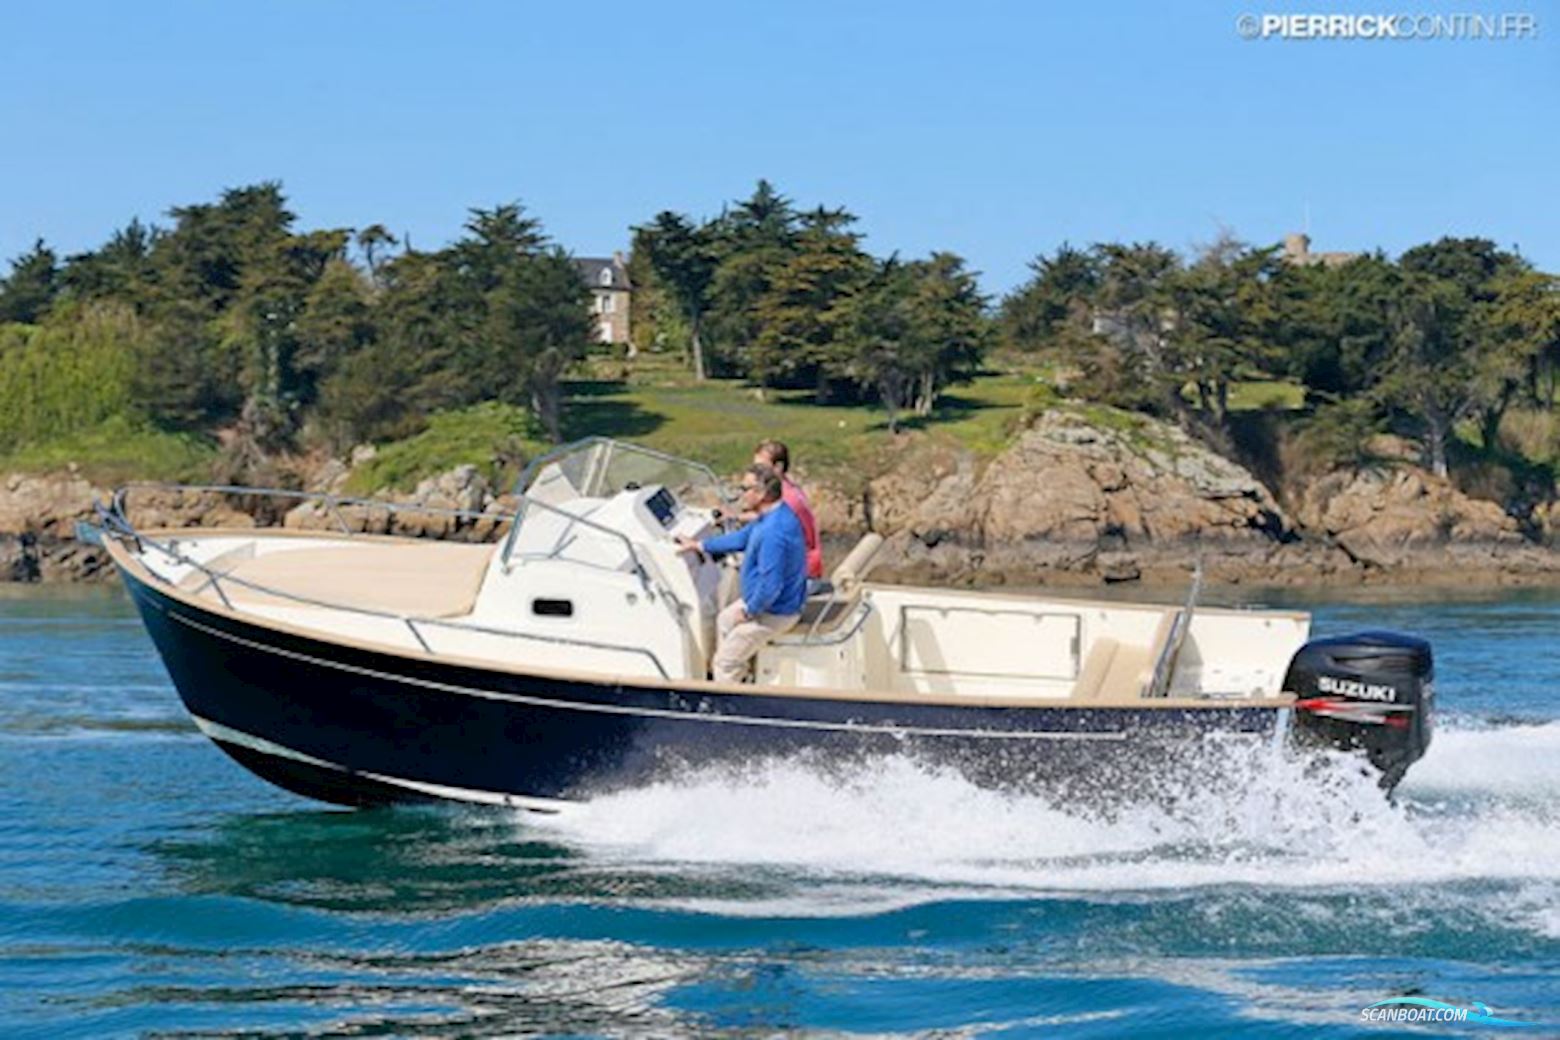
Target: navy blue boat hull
[354,726]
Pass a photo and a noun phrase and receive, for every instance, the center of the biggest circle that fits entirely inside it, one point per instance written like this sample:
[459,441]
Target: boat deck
[450,599]
[425,579]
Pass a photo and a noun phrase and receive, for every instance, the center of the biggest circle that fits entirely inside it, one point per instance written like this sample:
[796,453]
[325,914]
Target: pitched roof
[590,268]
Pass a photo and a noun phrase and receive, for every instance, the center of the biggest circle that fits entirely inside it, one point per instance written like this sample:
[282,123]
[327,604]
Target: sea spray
[1246,816]
[1519,761]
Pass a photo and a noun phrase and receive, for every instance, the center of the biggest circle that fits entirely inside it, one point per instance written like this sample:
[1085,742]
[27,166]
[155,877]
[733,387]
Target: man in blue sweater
[774,574]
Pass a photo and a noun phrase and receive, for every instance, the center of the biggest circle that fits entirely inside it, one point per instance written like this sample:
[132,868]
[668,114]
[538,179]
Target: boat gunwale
[134,567]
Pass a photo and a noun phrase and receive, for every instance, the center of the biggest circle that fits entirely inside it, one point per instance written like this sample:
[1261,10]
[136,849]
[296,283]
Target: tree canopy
[782,297]
[1455,330]
[233,323]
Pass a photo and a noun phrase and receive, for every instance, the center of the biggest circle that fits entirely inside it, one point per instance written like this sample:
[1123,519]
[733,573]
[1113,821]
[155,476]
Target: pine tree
[683,258]
[27,293]
[799,317]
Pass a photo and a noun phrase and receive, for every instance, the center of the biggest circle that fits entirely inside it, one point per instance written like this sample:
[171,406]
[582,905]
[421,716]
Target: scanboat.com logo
[1418,1009]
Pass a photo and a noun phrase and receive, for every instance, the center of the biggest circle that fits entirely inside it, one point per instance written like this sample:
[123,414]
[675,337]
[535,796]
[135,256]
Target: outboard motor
[1370,691]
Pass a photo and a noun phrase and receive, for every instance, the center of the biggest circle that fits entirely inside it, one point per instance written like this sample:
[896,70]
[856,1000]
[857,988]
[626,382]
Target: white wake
[1481,805]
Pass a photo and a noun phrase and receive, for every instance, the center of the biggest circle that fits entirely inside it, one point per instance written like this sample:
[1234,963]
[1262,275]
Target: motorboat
[566,654]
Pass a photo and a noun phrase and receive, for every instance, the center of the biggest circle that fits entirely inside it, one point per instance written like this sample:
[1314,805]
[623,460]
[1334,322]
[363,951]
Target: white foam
[1507,760]
[1534,907]
[1264,821]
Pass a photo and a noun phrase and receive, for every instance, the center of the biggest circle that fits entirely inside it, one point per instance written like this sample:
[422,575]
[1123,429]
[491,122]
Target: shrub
[69,374]
[1337,434]
[496,438]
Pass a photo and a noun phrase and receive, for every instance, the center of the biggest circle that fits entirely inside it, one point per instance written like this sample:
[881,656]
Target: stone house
[1297,251]
[610,291]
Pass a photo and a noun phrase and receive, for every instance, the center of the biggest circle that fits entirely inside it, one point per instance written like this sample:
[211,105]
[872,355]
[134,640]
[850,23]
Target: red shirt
[793,496]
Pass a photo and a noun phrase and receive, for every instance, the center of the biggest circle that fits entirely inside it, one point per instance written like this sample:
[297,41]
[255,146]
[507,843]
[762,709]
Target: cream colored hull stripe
[660,713]
[228,735]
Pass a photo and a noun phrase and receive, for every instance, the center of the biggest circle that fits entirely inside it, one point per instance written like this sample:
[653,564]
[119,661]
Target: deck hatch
[980,641]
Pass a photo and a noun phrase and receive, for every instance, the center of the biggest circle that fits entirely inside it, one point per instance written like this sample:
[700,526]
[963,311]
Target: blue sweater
[774,564]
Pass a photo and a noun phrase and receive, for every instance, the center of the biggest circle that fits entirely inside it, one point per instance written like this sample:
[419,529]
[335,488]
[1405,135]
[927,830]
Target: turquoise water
[148,886]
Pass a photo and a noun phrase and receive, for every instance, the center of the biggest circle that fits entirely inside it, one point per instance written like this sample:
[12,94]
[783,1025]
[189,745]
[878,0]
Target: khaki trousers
[739,641]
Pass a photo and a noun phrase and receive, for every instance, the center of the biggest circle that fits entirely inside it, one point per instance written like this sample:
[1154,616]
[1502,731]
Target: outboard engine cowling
[1369,691]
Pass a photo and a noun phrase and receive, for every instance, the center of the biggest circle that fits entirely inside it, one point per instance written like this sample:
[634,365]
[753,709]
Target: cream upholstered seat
[431,579]
[1116,669]
[1096,666]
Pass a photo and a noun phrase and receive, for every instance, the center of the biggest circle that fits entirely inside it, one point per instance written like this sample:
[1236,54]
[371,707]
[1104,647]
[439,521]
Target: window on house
[606,276]
[606,303]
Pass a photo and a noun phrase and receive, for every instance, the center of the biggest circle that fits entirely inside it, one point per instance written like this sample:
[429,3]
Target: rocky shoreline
[1067,503]
[1073,504]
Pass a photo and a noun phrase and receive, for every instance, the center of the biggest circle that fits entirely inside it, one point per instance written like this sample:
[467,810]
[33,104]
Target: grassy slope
[117,451]
[655,402]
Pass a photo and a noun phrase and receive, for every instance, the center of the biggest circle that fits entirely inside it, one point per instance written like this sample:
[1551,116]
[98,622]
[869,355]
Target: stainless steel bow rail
[115,522]
[333,504]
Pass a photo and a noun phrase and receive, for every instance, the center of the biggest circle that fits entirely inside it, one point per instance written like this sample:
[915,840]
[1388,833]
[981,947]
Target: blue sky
[996,130]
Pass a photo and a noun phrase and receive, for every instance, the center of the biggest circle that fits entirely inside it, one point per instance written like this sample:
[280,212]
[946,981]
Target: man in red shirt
[777,456]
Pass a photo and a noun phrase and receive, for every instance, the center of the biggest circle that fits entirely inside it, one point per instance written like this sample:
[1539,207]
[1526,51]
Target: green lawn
[655,401]
[1257,395]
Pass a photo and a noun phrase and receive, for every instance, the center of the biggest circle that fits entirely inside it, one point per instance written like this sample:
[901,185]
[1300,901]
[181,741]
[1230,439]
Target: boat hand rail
[862,609]
[640,569]
[115,522]
[538,637]
[572,518]
[333,502]
[1170,654]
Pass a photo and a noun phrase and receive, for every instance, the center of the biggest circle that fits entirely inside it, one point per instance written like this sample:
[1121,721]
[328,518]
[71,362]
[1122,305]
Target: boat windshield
[599,468]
